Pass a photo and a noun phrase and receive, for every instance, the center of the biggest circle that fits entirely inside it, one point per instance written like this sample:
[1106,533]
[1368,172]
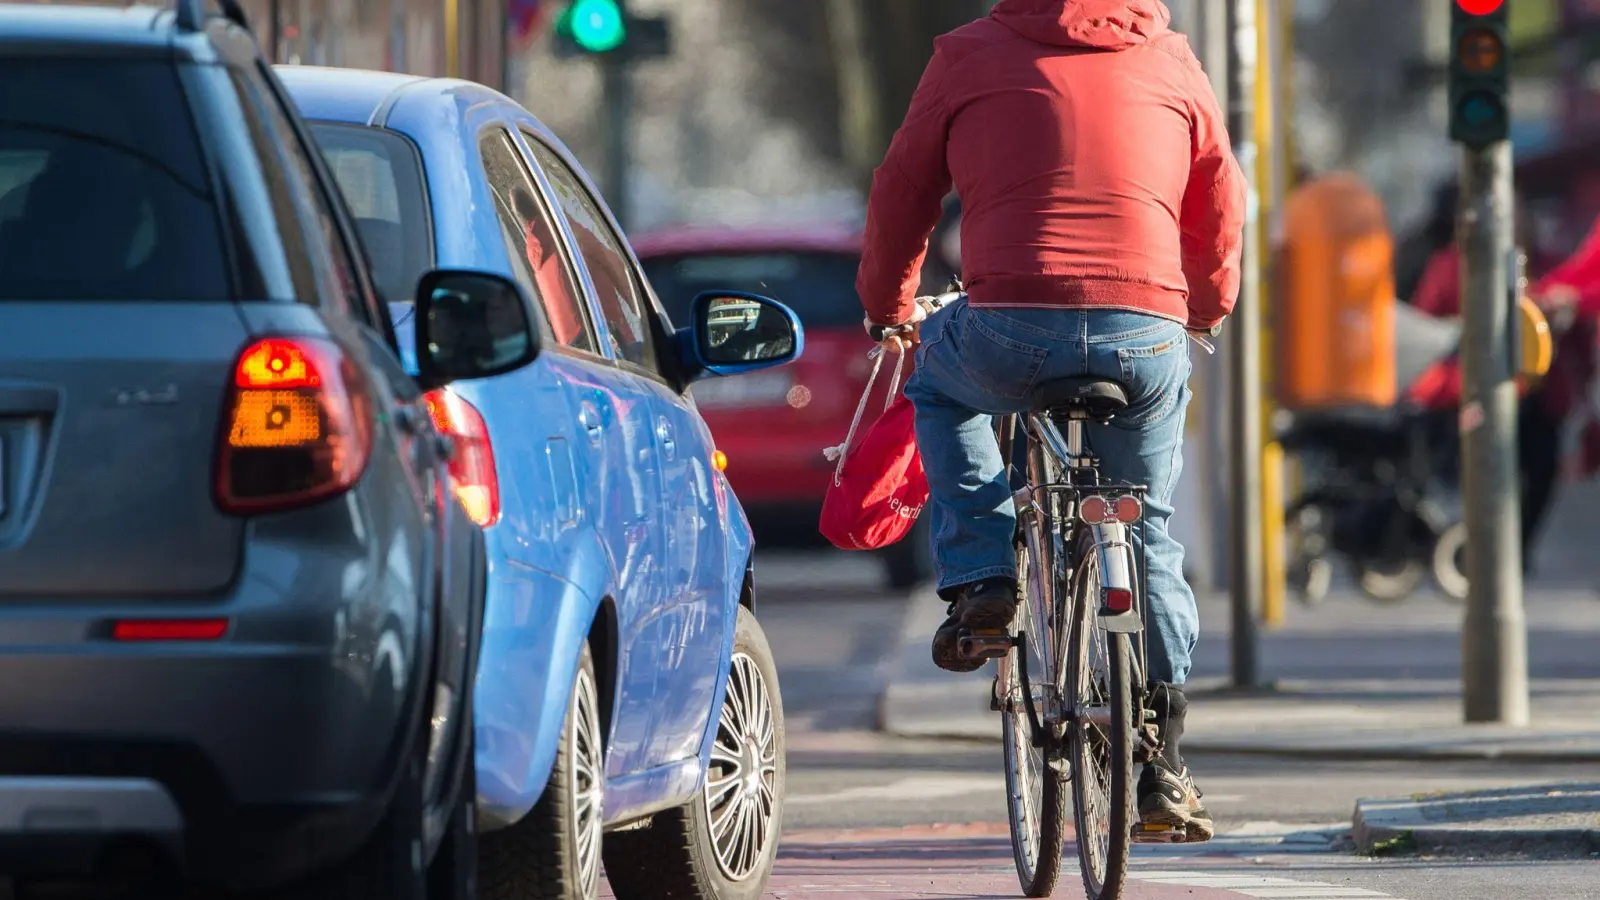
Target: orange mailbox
[1335,297]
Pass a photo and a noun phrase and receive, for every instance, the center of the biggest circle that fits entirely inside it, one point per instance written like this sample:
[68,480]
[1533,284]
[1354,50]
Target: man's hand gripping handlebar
[908,334]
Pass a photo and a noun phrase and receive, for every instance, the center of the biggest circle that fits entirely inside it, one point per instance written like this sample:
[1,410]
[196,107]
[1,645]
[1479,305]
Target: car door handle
[669,446]
[589,418]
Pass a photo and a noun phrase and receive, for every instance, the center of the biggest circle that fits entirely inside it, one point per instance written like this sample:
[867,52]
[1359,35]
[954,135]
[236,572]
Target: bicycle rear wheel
[1101,736]
[1035,795]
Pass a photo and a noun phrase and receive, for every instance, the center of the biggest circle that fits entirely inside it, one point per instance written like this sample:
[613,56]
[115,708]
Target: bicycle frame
[1121,561]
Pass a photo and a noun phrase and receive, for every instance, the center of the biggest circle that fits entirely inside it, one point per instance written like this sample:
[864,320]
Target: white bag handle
[838,453]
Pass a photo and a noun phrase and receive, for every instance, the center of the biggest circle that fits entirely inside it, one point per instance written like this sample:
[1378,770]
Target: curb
[1376,753]
[1399,824]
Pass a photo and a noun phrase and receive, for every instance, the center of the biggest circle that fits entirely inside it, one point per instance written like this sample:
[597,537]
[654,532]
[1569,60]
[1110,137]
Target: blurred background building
[778,109]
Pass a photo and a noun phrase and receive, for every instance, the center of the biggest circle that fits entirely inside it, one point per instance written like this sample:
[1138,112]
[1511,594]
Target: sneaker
[982,606]
[1168,798]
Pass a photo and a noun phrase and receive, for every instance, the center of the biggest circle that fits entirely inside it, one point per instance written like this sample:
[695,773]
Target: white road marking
[1279,838]
[914,788]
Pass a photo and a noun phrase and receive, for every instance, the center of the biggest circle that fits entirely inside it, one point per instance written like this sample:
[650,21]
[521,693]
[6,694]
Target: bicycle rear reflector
[1098,510]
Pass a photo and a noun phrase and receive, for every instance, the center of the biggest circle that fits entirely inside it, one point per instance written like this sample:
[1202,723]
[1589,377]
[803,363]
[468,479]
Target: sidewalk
[1355,681]
[1557,820]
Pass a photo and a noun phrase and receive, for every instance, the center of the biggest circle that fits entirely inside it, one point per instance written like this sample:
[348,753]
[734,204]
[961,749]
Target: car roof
[365,97]
[719,239]
[132,26]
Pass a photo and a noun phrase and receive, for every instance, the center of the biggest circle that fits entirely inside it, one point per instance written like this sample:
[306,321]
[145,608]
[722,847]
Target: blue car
[626,707]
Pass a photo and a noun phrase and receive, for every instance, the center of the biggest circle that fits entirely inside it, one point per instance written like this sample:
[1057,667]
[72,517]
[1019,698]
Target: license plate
[756,389]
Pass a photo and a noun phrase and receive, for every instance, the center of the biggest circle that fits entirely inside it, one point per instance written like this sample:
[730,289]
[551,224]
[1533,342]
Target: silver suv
[239,604]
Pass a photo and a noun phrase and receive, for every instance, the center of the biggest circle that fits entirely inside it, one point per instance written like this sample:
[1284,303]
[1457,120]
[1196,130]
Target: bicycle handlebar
[936,302]
[881,333]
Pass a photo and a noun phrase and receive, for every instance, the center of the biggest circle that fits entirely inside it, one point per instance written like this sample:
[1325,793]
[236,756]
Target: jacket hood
[1098,24]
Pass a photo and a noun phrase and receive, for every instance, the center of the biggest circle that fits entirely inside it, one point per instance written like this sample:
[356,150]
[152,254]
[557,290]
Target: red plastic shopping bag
[878,487]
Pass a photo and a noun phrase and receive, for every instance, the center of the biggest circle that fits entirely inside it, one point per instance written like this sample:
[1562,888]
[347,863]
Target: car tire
[908,563]
[553,853]
[676,856]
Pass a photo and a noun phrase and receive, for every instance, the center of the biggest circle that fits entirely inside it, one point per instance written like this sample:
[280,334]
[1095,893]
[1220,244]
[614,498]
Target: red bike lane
[949,862]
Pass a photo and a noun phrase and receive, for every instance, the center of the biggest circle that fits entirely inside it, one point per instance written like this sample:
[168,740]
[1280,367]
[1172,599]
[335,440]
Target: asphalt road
[874,816]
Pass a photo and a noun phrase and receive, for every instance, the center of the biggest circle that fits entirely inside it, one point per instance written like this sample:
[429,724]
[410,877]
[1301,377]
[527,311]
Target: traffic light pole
[617,83]
[1494,649]
[1246,561]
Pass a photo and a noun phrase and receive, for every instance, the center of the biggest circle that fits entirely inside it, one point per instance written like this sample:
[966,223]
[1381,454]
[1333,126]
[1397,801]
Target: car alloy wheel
[740,787]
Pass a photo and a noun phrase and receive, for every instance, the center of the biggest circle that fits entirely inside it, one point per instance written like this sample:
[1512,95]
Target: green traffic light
[596,26]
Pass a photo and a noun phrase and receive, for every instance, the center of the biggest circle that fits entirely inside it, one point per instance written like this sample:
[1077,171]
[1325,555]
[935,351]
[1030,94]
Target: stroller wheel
[1311,578]
[1390,582]
[1309,572]
[1450,561]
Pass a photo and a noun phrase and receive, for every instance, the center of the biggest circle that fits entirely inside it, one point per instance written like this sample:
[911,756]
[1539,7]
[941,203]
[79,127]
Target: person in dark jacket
[1102,215]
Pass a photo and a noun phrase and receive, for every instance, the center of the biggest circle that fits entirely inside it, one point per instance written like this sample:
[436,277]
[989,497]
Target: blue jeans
[975,363]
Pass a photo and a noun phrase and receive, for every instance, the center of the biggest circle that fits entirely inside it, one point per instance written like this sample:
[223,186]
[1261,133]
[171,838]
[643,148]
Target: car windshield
[381,179]
[819,287]
[104,194]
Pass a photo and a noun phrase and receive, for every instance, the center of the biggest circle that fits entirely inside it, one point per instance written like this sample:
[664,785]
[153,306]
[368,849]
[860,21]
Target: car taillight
[472,461]
[299,426]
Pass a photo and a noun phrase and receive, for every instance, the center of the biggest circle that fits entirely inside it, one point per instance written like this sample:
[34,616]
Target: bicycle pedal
[984,644]
[1158,834]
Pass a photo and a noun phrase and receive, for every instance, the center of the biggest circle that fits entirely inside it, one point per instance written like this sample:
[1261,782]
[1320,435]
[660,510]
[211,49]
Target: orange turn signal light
[719,461]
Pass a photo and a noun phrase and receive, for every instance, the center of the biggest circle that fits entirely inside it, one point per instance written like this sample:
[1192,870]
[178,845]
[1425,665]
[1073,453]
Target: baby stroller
[1379,485]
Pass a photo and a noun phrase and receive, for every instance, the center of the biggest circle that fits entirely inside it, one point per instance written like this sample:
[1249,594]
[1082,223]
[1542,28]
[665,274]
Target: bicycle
[1082,618]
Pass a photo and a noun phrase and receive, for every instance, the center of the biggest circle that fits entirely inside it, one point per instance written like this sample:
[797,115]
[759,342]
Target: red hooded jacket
[1091,158]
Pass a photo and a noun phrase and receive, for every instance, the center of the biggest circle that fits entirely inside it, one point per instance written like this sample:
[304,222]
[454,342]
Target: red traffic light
[1479,7]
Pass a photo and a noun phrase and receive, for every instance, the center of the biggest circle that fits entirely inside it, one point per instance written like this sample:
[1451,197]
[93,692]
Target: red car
[774,425]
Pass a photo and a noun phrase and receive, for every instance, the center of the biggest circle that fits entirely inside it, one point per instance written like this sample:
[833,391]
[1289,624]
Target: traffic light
[1480,58]
[606,28]
[593,26]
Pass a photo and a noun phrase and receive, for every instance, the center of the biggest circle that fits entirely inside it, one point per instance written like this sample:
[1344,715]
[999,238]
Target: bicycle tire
[1036,799]
[1104,868]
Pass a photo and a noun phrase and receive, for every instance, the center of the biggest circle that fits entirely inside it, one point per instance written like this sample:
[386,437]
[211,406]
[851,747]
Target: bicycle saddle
[1081,396]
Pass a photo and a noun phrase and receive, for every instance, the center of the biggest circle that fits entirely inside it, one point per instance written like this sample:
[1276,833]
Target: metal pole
[1268,117]
[1494,640]
[619,131]
[617,85]
[1211,20]
[1245,577]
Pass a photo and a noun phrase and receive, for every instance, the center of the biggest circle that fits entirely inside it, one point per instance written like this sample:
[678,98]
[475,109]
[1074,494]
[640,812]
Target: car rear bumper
[249,760]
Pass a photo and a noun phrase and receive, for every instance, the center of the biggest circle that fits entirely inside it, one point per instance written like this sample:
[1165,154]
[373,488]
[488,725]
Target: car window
[381,178]
[104,192]
[819,287]
[325,227]
[276,179]
[531,242]
[622,302]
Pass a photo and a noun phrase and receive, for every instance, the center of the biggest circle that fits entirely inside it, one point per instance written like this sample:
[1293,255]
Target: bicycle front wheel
[1035,794]
[1100,735]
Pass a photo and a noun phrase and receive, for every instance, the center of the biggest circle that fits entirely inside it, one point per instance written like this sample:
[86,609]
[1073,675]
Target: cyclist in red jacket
[1102,218]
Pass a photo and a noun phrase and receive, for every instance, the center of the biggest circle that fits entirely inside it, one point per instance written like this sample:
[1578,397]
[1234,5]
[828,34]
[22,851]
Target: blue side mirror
[734,333]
